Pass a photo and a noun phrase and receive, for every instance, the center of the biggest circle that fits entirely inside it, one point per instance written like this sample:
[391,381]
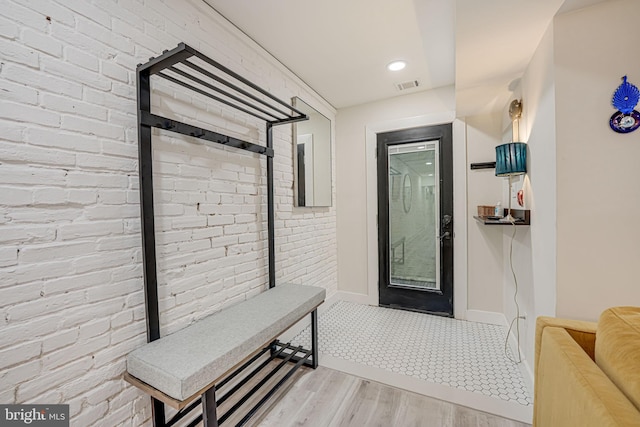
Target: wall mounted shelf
[485,165]
[522,215]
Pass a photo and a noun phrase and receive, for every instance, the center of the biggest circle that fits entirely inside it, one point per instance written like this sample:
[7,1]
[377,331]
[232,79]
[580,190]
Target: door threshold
[434,313]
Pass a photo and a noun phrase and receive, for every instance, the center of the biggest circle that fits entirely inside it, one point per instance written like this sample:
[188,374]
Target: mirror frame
[306,108]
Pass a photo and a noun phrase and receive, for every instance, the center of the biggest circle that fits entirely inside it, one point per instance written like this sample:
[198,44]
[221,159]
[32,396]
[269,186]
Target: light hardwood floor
[326,397]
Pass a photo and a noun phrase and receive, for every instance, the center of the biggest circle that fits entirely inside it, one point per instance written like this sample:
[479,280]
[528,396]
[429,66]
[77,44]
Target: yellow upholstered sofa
[588,374]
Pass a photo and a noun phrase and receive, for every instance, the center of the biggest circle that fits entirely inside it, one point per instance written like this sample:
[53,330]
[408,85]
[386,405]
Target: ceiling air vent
[407,85]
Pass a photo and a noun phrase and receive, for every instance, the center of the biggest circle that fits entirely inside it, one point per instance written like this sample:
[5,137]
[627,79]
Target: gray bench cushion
[183,363]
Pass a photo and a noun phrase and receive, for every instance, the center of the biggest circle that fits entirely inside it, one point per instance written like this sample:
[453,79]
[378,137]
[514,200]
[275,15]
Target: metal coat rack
[200,74]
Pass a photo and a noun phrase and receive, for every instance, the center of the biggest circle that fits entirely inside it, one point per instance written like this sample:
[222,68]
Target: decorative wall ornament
[625,99]
[407,193]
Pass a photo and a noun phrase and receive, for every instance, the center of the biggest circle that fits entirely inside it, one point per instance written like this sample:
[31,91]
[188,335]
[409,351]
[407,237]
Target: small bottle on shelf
[498,210]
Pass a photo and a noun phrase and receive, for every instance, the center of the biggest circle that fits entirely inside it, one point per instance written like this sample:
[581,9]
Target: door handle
[445,235]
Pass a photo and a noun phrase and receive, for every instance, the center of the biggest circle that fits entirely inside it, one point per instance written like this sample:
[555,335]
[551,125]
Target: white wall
[492,286]
[485,247]
[71,298]
[580,174]
[351,174]
[597,169]
[534,252]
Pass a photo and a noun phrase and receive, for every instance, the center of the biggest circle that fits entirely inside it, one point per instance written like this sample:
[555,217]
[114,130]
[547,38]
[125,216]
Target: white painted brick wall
[71,289]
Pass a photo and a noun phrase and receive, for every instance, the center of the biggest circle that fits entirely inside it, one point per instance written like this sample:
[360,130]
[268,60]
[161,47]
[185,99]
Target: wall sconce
[511,158]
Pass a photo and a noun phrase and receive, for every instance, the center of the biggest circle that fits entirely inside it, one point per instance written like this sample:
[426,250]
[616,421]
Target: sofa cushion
[618,349]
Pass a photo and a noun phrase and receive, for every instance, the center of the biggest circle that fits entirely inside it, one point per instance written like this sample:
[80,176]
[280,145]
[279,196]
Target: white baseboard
[306,321]
[527,375]
[329,302]
[355,297]
[525,366]
[490,317]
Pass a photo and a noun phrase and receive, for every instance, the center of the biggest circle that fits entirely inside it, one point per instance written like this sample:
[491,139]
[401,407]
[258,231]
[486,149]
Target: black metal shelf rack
[197,73]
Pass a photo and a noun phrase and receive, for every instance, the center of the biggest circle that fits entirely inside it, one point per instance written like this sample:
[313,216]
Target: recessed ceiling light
[428,163]
[396,65]
[430,174]
[421,147]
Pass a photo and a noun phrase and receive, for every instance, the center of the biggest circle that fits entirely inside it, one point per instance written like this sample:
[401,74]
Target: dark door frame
[430,301]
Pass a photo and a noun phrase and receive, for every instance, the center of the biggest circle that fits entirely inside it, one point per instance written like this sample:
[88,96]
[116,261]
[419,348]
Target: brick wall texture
[71,287]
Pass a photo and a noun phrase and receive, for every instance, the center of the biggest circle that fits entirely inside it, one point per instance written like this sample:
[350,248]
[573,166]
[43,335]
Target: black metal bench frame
[215,81]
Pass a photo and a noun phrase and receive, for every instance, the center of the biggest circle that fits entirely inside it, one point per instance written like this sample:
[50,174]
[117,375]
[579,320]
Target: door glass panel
[414,216]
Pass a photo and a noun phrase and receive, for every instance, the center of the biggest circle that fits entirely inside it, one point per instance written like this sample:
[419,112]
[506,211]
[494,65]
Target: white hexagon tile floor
[466,355]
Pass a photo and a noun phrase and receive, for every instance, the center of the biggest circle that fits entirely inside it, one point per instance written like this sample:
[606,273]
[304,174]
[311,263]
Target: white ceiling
[341,48]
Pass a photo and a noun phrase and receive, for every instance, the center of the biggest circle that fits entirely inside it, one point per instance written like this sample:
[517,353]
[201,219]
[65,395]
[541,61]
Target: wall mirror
[312,157]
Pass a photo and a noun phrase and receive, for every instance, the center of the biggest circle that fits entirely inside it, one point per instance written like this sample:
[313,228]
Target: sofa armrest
[571,390]
[584,333]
